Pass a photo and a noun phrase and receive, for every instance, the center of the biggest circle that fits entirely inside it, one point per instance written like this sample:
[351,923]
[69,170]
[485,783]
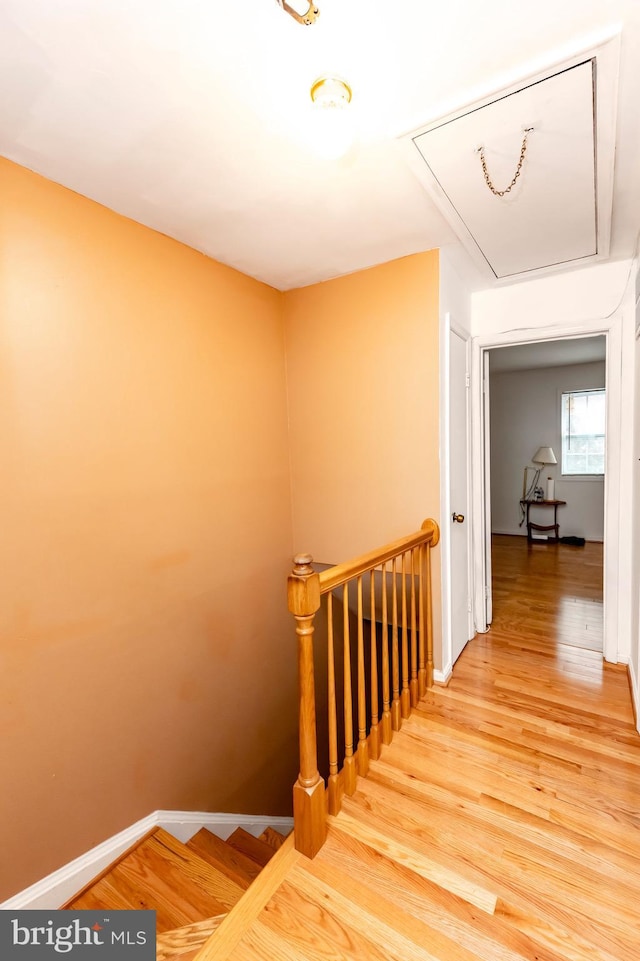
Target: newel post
[309,805]
[430,525]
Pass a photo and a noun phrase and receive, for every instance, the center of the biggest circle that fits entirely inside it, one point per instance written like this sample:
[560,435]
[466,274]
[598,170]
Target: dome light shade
[333,128]
[331,92]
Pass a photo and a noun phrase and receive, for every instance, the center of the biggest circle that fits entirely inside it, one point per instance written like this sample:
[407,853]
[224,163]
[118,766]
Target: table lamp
[545,457]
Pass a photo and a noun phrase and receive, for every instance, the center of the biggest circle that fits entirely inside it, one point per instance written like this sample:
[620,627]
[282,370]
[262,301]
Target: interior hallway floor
[551,591]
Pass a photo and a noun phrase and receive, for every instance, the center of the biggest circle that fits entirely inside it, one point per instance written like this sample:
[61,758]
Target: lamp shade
[544,455]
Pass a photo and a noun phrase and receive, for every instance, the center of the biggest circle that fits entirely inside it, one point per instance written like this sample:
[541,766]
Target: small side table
[543,527]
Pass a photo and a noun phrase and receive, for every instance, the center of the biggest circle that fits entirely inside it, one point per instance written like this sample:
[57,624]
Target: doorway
[481,496]
[546,464]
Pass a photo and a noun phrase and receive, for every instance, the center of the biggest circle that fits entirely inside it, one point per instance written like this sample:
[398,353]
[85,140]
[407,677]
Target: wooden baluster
[310,823]
[387,728]
[422,670]
[429,612]
[363,746]
[414,635]
[396,722]
[350,772]
[374,733]
[335,793]
[405,699]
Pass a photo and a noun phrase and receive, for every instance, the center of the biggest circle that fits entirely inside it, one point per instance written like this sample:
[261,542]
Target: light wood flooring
[551,591]
[502,824]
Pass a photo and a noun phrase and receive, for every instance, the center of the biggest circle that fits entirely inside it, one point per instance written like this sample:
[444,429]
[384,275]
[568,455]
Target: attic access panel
[550,217]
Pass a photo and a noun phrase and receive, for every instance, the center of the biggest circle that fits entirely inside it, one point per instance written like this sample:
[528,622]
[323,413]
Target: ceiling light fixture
[303,11]
[331,96]
[331,92]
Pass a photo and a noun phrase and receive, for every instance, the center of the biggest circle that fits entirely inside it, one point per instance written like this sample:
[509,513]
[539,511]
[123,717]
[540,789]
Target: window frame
[586,476]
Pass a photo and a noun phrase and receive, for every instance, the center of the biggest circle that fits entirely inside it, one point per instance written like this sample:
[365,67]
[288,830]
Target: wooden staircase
[191,887]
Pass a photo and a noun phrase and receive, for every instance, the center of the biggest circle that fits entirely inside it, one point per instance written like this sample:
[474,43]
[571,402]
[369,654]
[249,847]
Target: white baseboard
[57,888]
[635,693]
[523,533]
[444,676]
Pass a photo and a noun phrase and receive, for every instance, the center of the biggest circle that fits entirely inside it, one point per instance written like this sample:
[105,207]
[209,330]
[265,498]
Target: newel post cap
[303,564]
[430,524]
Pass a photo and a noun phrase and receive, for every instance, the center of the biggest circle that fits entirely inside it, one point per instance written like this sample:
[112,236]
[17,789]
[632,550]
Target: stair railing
[386,594]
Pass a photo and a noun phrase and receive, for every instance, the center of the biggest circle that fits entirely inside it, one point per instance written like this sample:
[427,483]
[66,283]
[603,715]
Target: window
[583,431]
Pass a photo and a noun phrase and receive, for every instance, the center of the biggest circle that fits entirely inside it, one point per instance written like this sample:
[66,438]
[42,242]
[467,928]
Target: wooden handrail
[404,674]
[341,573]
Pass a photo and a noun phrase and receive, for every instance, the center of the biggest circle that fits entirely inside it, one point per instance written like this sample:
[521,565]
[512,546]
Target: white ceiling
[547,353]
[192,116]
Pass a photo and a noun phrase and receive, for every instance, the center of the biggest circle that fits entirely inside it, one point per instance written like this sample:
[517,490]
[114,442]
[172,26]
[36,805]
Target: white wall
[573,297]
[525,415]
[634,660]
[455,287]
[591,300]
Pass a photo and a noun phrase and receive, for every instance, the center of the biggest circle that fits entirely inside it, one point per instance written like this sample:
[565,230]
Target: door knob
[458,518]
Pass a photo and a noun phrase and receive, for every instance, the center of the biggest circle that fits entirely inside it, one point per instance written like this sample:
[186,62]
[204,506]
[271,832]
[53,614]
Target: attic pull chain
[523,150]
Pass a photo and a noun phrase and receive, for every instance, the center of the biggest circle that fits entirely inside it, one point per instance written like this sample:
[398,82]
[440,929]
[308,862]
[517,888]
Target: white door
[459,574]
[486,486]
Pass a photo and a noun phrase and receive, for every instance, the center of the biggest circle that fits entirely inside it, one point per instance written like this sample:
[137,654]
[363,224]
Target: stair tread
[252,847]
[162,874]
[102,894]
[222,946]
[273,838]
[119,891]
[182,944]
[233,863]
[106,871]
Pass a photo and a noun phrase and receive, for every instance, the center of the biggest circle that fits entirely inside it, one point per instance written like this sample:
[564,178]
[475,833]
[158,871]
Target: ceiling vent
[526,177]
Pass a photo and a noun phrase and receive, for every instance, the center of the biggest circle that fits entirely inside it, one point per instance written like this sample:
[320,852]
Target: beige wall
[147,658]
[362,370]
[146,532]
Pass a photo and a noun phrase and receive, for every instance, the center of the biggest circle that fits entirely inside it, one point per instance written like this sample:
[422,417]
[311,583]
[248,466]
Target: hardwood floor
[552,591]
[502,823]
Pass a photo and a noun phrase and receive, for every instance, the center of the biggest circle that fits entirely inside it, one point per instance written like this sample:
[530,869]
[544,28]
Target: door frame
[610,327]
[442,675]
